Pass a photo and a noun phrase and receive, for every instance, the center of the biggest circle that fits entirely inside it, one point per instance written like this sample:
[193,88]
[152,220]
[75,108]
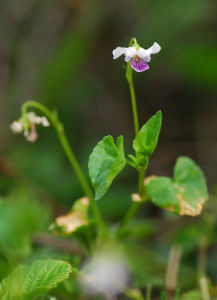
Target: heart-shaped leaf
[105,162]
[185,194]
[146,140]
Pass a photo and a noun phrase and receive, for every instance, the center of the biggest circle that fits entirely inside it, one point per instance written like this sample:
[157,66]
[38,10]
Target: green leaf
[185,194]
[105,162]
[29,281]
[146,140]
[132,160]
[163,193]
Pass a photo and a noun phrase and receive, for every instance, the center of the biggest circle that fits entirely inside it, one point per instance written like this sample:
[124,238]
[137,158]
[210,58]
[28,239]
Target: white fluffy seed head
[104,275]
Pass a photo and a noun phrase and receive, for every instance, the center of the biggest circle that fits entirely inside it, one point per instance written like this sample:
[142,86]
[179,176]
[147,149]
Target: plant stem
[141,187]
[148,291]
[204,288]
[129,77]
[133,98]
[130,214]
[135,205]
[202,256]
[172,270]
[53,118]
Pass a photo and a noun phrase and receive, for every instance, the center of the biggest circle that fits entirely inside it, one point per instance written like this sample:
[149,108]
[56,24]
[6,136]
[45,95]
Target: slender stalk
[202,257]
[133,98]
[204,288]
[130,214]
[141,187]
[148,291]
[172,270]
[53,118]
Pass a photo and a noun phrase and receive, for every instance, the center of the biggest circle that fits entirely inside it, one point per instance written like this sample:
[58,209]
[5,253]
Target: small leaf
[29,281]
[185,194]
[146,140]
[105,162]
[132,160]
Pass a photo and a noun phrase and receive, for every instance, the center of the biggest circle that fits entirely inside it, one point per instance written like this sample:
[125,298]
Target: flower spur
[137,55]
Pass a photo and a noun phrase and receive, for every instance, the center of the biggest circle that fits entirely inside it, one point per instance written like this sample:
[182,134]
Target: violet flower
[137,55]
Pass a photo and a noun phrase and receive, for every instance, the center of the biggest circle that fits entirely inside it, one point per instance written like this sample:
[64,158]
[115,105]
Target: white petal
[155,48]
[33,118]
[118,52]
[16,127]
[32,135]
[130,53]
[44,122]
[146,54]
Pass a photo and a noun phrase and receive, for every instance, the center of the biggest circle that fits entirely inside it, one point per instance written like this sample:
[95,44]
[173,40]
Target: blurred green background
[59,52]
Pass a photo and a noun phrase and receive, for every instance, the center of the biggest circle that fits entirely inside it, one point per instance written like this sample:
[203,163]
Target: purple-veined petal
[147,58]
[139,65]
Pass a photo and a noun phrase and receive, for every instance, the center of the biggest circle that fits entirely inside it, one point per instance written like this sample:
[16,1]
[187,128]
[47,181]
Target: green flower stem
[141,187]
[53,118]
[136,205]
[129,76]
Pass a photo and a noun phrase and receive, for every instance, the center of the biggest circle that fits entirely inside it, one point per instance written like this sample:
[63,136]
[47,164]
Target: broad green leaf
[27,282]
[162,193]
[191,182]
[105,162]
[146,140]
[185,194]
